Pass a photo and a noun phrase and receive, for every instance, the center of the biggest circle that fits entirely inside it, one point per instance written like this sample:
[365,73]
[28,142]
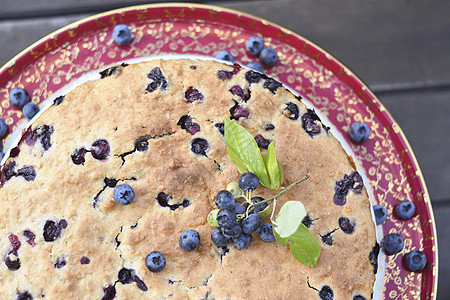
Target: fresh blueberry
[256,67]
[405,209]
[122,34]
[189,240]
[254,45]
[155,261]
[359,132]
[415,260]
[380,214]
[347,225]
[326,293]
[19,97]
[218,238]
[100,149]
[261,207]
[224,199]
[248,181]
[251,223]
[226,218]
[239,208]
[199,146]
[266,232]
[123,194]
[242,241]
[232,232]
[3,128]
[225,55]
[392,243]
[30,110]
[268,56]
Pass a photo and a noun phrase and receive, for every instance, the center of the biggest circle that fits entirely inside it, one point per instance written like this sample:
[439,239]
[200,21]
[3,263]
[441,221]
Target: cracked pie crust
[62,236]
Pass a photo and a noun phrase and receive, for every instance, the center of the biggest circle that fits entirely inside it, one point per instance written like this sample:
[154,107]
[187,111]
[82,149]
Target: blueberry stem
[280,193]
[273,212]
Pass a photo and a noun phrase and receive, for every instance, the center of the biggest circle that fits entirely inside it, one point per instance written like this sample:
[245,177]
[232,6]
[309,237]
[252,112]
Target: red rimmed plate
[386,158]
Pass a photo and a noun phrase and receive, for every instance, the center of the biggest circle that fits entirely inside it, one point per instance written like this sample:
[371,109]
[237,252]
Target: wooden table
[400,49]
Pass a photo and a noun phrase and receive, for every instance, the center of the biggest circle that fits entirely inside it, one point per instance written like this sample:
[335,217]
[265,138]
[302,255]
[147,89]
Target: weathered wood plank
[442,216]
[423,116]
[389,44]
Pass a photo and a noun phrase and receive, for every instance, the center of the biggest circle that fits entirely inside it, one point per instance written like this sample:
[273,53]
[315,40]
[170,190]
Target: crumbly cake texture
[62,236]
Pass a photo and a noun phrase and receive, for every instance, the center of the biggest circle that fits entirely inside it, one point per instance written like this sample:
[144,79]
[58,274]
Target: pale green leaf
[304,246]
[280,240]
[289,218]
[265,212]
[212,218]
[272,167]
[280,171]
[244,151]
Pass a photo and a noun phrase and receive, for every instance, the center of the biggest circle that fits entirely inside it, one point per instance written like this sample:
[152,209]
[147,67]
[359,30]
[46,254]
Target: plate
[386,159]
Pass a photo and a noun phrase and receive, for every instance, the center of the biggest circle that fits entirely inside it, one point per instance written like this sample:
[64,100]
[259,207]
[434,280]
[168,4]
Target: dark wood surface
[399,48]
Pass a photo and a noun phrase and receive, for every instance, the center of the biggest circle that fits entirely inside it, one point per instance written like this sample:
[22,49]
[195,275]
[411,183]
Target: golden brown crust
[119,110]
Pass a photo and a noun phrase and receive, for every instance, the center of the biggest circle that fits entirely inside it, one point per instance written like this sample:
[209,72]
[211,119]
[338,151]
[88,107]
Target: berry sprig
[237,220]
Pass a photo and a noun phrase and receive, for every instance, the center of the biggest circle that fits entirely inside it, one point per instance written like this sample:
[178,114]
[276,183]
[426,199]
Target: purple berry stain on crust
[24,296]
[8,170]
[186,123]
[14,152]
[109,292]
[272,85]
[44,133]
[262,142]
[30,237]
[85,261]
[291,111]
[27,172]
[159,81]
[163,200]
[100,149]
[269,127]
[311,123]
[78,156]
[327,238]
[53,230]
[60,262]
[58,100]
[236,90]
[199,146]
[252,77]
[15,244]
[373,257]
[12,265]
[227,75]
[307,221]
[192,94]
[220,127]
[349,182]
[346,225]
[326,293]
[238,111]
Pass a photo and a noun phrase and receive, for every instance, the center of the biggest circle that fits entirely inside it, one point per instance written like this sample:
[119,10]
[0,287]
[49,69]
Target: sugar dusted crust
[120,110]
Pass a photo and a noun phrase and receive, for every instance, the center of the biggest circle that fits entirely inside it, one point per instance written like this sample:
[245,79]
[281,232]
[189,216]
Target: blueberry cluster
[236,222]
[254,46]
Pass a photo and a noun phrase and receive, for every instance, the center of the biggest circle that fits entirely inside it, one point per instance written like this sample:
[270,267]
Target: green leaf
[272,167]
[280,171]
[265,212]
[289,218]
[304,246]
[280,240]
[244,151]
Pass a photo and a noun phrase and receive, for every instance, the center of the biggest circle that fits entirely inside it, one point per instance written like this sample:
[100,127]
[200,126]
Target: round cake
[159,127]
